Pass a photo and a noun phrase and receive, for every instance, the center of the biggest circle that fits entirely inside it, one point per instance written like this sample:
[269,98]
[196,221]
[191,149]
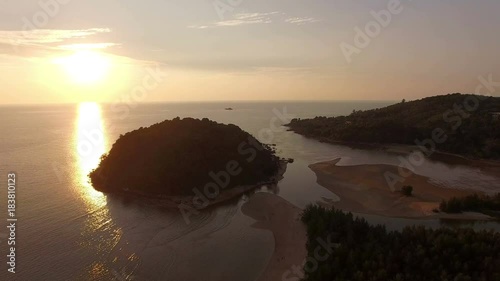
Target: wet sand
[364,189]
[282,218]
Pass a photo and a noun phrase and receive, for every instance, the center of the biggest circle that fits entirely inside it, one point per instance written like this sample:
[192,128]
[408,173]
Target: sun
[85,66]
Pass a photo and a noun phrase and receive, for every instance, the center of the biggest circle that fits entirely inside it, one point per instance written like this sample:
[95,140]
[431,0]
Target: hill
[176,156]
[463,124]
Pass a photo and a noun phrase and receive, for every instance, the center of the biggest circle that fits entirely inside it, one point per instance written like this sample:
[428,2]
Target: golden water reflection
[90,145]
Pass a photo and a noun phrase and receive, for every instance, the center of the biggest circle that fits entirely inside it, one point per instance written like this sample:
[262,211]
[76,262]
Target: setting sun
[85,66]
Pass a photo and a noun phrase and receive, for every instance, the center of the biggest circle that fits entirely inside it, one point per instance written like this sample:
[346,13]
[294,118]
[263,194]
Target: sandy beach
[282,218]
[363,189]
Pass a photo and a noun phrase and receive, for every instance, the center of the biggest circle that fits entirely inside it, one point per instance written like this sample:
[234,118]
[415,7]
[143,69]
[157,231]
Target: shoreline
[279,216]
[446,157]
[187,201]
[363,189]
[399,148]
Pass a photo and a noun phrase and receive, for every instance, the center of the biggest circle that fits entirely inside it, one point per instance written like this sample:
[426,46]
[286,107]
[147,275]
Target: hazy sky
[95,50]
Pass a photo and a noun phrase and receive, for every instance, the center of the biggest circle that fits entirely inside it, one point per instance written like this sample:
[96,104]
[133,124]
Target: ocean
[68,231]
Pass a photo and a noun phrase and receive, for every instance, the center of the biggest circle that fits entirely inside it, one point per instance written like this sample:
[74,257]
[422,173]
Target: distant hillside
[472,130]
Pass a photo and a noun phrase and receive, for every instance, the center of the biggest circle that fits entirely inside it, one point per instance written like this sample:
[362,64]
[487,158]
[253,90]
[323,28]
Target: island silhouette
[185,157]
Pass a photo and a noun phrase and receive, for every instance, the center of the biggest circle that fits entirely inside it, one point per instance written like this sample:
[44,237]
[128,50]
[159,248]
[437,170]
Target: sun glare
[90,144]
[85,66]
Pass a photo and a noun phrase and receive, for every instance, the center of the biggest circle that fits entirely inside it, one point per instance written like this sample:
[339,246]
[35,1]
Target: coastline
[363,189]
[279,216]
[188,201]
[484,164]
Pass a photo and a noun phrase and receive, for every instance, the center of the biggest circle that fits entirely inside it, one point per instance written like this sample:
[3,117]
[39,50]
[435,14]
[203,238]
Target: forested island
[182,156]
[347,248]
[466,124]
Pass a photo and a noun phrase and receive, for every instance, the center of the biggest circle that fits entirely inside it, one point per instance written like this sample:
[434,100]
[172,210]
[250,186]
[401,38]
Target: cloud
[46,36]
[43,42]
[256,18]
[88,46]
[301,21]
[199,26]
[241,19]
[42,48]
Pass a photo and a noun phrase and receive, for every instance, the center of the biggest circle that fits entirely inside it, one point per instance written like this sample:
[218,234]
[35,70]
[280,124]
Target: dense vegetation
[474,132]
[472,203]
[175,156]
[369,253]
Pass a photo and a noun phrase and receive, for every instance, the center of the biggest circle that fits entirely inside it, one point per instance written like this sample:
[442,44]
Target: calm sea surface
[68,231]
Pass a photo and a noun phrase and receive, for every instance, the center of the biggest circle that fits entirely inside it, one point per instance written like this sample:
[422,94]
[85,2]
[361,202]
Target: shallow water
[68,231]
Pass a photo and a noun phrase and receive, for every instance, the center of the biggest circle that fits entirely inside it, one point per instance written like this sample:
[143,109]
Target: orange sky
[73,51]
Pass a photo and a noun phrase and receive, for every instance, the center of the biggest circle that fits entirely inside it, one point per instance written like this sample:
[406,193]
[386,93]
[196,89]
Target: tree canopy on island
[175,156]
[364,252]
[468,122]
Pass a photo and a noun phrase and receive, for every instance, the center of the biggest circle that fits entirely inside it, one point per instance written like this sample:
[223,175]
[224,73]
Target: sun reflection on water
[90,143]
[101,233]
